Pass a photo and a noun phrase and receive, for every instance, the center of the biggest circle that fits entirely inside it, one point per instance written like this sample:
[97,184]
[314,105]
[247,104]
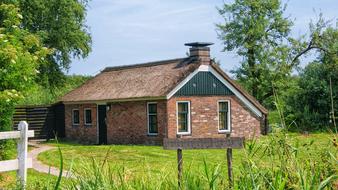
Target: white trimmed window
[88,116]
[224,123]
[75,117]
[152,118]
[183,117]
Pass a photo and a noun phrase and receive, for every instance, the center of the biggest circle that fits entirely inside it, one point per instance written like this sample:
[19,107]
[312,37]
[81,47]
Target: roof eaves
[240,89]
[150,98]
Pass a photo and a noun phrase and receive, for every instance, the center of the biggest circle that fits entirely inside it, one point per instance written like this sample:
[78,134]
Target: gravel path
[41,167]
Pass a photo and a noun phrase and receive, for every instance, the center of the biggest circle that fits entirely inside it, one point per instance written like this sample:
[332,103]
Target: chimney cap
[198,44]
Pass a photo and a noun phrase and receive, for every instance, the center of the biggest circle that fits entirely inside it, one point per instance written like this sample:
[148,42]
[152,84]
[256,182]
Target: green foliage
[286,168]
[260,34]
[257,30]
[271,162]
[61,26]
[39,94]
[310,105]
[21,53]
[308,102]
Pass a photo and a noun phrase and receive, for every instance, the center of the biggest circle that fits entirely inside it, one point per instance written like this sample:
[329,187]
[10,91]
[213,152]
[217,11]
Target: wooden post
[179,164]
[229,163]
[179,167]
[22,152]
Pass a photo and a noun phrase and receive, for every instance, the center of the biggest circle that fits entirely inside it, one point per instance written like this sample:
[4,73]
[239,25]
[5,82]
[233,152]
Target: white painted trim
[229,116]
[14,134]
[10,165]
[236,92]
[148,118]
[189,124]
[204,68]
[179,86]
[73,117]
[85,117]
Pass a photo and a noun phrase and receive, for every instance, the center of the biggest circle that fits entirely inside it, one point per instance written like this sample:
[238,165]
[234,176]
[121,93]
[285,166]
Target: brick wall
[82,133]
[127,123]
[204,117]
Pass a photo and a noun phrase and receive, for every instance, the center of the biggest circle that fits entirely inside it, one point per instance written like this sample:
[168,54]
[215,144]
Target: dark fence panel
[45,120]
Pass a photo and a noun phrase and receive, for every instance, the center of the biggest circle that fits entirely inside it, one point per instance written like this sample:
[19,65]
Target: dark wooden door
[102,124]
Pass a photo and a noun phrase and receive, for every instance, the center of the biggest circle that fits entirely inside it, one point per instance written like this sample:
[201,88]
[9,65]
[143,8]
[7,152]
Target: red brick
[127,121]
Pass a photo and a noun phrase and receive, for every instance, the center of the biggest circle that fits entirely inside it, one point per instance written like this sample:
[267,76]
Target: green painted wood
[204,83]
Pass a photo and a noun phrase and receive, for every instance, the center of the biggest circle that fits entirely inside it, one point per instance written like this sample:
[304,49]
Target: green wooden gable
[204,83]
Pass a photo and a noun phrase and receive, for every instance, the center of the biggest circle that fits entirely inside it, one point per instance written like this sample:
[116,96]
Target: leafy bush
[21,53]
[38,94]
[310,105]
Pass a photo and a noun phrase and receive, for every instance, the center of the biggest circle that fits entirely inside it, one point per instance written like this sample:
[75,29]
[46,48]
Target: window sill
[152,134]
[88,125]
[224,132]
[75,125]
[184,134]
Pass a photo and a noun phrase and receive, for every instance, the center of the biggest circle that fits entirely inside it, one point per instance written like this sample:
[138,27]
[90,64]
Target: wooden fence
[45,120]
[22,162]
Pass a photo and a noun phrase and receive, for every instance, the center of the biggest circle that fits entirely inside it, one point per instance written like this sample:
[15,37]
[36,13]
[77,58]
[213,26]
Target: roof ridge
[146,64]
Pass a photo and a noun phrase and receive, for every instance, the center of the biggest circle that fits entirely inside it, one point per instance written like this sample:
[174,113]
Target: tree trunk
[253,72]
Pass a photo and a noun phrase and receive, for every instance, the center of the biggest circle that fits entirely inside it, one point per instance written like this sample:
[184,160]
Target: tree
[21,53]
[61,26]
[260,33]
[310,105]
[255,29]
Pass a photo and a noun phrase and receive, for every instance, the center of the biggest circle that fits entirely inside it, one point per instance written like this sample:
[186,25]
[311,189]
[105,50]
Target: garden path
[41,167]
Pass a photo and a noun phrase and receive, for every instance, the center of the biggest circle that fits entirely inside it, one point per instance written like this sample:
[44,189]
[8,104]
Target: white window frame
[85,117]
[73,117]
[189,125]
[148,118]
[231,87]
[229,117]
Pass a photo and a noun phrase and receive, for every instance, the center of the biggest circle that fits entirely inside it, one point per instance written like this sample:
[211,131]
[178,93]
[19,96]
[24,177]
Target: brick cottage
[144,103]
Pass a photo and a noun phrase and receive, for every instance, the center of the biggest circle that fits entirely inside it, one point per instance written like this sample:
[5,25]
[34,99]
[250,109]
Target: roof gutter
[115,100]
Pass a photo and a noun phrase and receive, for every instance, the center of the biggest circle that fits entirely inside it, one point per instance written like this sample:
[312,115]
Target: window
[152,119]
[183,117]
[88,116]
[224,116]
[76,117]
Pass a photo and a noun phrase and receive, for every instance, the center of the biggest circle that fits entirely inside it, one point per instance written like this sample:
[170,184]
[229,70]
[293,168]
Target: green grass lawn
[141,160]
[155,164]
[35,180]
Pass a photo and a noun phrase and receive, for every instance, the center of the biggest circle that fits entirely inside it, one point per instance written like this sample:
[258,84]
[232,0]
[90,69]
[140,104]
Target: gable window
[152,118]
[183,117]
[76,116]
[88,116]
[224,116]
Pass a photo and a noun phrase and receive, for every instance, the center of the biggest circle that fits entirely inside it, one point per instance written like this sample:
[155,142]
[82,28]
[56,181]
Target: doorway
[102,113]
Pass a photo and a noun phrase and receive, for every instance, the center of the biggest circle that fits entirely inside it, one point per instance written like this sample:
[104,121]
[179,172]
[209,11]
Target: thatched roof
[148,80]
[153,80]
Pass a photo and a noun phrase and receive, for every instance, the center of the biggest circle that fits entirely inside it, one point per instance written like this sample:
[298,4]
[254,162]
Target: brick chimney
[200,51]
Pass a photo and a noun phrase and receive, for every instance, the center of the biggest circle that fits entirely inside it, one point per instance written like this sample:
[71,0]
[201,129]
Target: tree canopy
[60,24]
[260,34]
[256,30]
[21,54]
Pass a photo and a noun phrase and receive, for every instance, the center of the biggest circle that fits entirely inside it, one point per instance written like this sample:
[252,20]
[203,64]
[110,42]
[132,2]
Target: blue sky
[136,31]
